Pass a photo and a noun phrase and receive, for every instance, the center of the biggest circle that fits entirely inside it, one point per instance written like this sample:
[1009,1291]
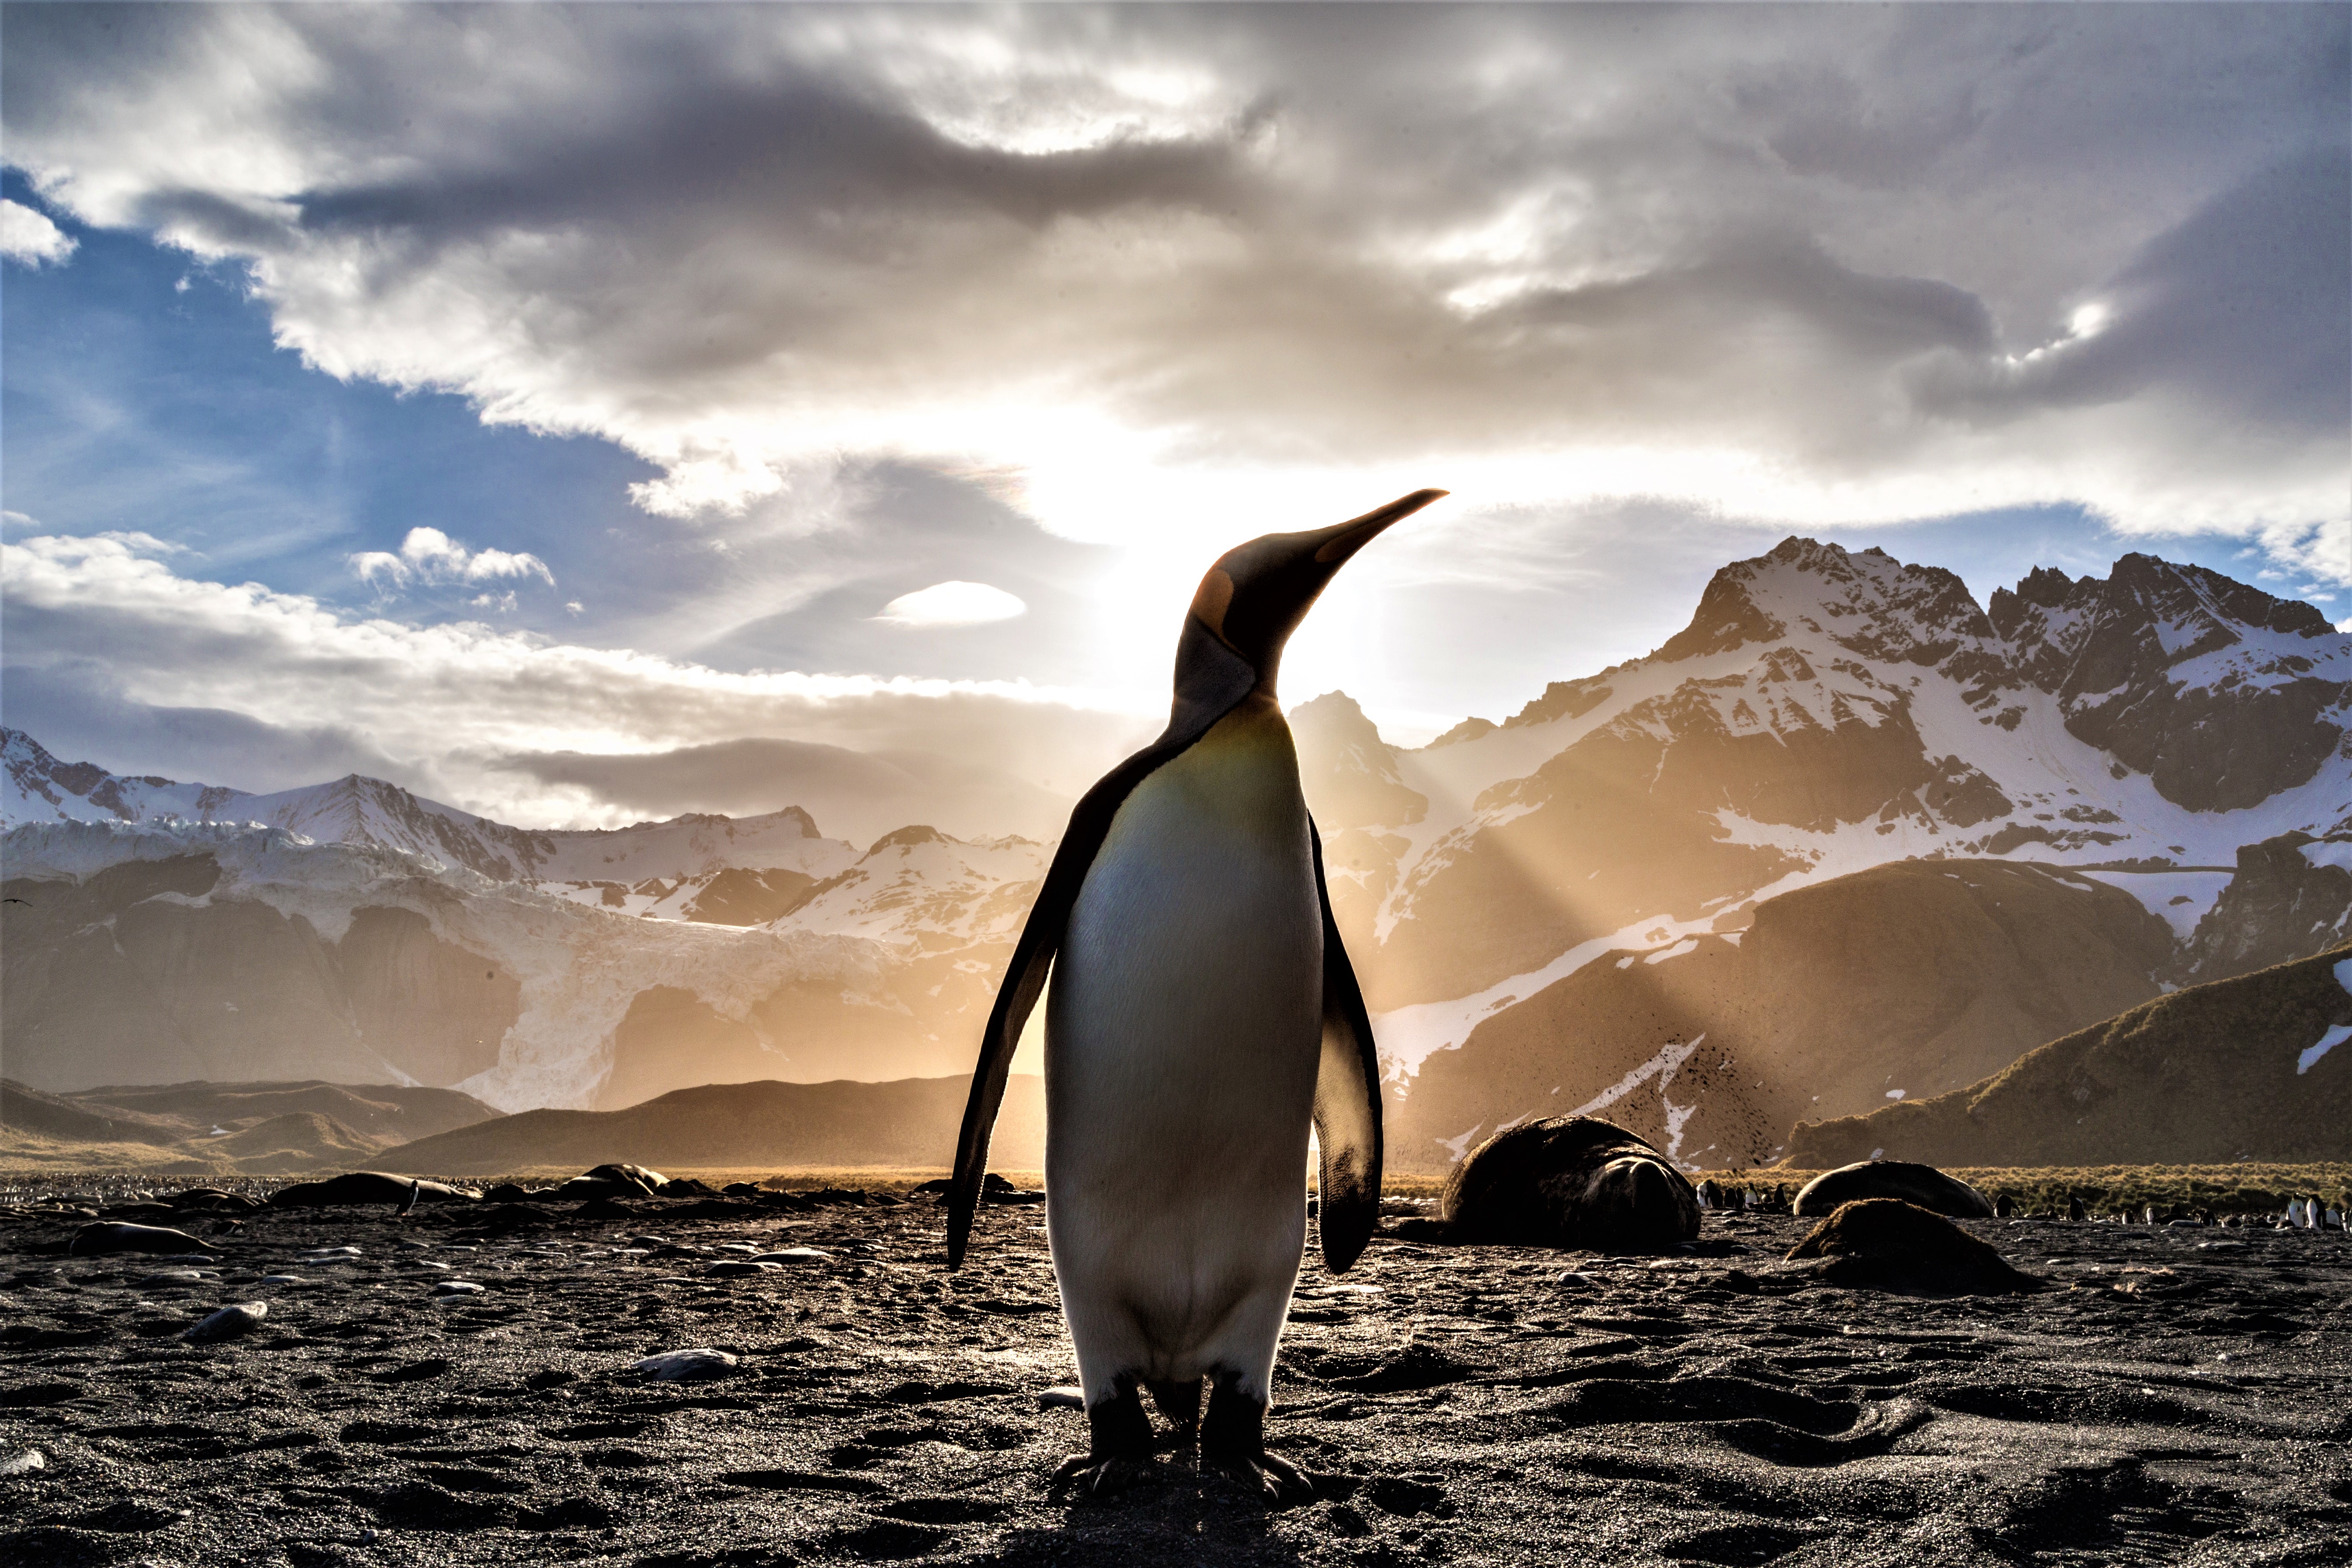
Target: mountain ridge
[1822,714]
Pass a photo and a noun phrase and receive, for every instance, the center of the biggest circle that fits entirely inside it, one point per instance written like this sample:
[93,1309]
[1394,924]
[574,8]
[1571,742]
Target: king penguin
[1202,1017]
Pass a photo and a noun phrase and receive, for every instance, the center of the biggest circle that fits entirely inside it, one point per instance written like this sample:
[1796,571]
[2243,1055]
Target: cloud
[1177,273]
[952,604]
[30,237]
[449,708]
[429,555]
[852,794]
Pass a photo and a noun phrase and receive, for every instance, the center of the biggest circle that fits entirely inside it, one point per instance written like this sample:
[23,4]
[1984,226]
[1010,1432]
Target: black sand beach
[2176,1394]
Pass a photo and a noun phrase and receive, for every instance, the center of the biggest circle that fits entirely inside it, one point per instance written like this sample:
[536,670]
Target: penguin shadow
[1169,1508]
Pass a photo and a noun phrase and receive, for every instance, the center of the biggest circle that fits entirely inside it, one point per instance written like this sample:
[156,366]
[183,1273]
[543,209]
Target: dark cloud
[2245,309]
[79,710]
[738,239]
[852,794]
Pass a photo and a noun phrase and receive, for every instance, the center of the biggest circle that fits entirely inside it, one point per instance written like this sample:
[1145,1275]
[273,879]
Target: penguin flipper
[1347,1099]
[1211,680]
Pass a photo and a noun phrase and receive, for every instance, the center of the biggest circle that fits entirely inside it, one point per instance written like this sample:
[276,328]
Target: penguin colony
[1203,1014]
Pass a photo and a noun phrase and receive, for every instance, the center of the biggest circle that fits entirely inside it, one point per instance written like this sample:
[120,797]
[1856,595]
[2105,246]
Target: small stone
[295,1281]
[797,1255]
[735,1267]
[1062,1398]
[456,1288]
[745,1248]
[686,1365]
[170,1277]
[228,1323]
[24,1462]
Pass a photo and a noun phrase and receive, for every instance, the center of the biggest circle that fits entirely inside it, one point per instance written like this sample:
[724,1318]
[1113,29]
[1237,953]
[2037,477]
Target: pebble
[1576,1277]
[745,1248]
[284,1280]
[239,1318]
[24,1463]
[1063,1398]
[685,1366]
[794,1255]
[454,1288]
[178,1276]
[733,1268]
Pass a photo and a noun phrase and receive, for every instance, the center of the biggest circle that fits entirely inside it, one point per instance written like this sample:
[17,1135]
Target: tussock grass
[2245,1187]
[2241,1187]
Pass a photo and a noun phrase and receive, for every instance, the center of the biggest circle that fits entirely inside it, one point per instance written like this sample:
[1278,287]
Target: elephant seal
[1569,1181]
[1924,1186]
[354,1187]
[1886,1244]
[608,1181]
[119,1235]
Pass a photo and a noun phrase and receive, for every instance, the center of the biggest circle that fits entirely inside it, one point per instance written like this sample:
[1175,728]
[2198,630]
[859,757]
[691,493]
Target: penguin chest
[1185,1015]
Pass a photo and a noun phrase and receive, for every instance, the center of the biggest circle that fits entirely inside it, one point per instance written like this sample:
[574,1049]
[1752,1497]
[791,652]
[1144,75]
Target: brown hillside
[386,1112]
[911,1121]
[2210,1074]
[26,1110]
[1920,976]
[300,1142]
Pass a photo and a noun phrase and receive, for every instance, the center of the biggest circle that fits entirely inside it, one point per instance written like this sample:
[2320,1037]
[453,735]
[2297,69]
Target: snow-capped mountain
[172,950]
[175,931]
[1848,834]
[647,862]
[1825,713]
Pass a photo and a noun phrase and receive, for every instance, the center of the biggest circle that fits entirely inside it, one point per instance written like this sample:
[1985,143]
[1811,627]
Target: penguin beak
[1343,540]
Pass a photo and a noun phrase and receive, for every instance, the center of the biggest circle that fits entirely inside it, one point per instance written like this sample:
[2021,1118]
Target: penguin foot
[1232,1442]
[1271,1481]
[1121,1452]
[1100,1475]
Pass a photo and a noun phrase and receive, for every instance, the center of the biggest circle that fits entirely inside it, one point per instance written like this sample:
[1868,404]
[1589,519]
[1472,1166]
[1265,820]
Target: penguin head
[1257,594]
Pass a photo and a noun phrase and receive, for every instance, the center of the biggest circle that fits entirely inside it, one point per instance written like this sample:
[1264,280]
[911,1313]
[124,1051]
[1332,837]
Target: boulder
[1922,1185]
[1569,1181]
[1886,1244]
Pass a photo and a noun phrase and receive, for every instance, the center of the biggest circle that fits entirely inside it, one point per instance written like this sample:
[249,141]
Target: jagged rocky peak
[1865,601]
[1355,770]
[38,787]
[2221,693]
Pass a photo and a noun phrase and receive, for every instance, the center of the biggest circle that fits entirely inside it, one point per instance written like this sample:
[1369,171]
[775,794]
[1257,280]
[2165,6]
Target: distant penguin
[1202,1016]
[1710,1196]
[2074,1208]
[2003,1206]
